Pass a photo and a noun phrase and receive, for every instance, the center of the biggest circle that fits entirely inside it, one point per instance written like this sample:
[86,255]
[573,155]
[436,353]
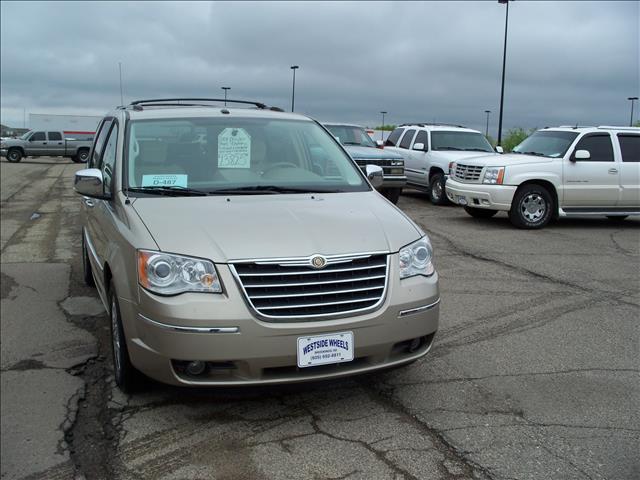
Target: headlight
[415,259]
[493,175]
[172,274]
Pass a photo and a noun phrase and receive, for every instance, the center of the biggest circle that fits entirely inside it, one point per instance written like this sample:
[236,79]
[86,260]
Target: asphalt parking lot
[534,372]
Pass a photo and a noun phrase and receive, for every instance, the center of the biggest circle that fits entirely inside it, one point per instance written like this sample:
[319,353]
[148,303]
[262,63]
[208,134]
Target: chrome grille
[293,289]
[389,167]
[467,173]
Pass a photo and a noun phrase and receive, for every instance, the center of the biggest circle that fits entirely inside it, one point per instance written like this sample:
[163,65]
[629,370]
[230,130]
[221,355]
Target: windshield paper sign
[164,181]
[234,148]
[323,349]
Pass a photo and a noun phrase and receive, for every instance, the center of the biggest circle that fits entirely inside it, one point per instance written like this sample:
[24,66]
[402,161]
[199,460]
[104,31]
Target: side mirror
[418,146]
[581,155]
[379,144]
[499,149]
[375,175]
[89,182]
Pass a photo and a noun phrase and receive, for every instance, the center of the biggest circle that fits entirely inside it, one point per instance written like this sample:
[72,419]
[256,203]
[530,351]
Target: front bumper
[478,195]
[243,350]
[395,181]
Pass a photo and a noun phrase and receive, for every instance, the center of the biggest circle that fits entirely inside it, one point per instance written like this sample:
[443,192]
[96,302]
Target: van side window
[630,147]
[98,144]
[108,161]
[406,139]
[599,146]
[392,140]
[53,136]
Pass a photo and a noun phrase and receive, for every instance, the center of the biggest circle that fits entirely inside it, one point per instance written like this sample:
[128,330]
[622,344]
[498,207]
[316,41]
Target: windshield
[470,141]
[236,156]
[25,135]
[547,143]
[350,135]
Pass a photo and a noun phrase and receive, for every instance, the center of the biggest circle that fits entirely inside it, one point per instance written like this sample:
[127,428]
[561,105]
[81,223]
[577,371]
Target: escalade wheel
[125,374]
[480,212]
[532,207]
[87,273]
[436,189]
[14,155]
[392,194]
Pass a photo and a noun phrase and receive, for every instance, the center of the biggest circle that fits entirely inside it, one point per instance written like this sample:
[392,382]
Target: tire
[392,194]
[437,189]
[126,376]
[14,155]
[82,156]
[480,212]
[617,218]
[532,207]
[87,272]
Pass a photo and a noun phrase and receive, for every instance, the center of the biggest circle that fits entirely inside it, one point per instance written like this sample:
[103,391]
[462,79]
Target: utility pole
[293,90]
[633,99]
[487,130]
[382,129]
[225,94]
[504,65]
[120,69]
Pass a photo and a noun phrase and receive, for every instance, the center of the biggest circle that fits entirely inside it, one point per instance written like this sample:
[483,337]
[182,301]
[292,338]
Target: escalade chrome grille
[467,173]
[293,289]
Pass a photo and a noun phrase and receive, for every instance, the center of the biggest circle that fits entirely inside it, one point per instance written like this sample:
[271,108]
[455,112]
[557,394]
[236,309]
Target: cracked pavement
[534,372]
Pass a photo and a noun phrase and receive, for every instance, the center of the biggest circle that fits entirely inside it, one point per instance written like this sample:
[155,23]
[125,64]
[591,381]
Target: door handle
[44,143]
[89,202]
[613,170]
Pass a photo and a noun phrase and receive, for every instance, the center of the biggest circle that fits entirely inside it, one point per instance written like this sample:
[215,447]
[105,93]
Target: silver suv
[244,246]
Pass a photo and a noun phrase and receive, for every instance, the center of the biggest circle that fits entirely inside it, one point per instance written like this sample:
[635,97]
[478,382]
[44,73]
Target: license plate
[324,349]
[461,200]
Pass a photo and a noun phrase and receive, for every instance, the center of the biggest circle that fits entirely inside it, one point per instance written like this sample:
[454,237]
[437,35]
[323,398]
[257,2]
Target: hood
[223,228]
[361,153]
[12,142]
[454,156]
[506,159]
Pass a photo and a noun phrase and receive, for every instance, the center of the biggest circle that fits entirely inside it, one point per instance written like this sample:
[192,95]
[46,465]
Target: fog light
[195,368]
[414,345]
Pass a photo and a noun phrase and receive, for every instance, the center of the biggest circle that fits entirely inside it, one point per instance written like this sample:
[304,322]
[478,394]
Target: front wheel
[126,376]
[81,157]
[392,194]
[437,189]
[480,212]
[532,207]
[14,155]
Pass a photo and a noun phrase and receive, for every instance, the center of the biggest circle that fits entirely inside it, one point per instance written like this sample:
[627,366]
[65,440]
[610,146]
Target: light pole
[120,69]
[382,129]
[487,130]
[504,64]
[225,94]
[293,90]
[633,99]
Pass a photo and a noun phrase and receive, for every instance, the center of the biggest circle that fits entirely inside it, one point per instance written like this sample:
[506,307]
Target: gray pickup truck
[46,144]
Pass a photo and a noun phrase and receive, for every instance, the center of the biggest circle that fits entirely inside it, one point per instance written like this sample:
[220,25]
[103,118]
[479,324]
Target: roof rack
[611,127]
[176,102]
[431,124]
[573,126]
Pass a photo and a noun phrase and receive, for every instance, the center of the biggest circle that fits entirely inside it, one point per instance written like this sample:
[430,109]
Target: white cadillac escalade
[560,171]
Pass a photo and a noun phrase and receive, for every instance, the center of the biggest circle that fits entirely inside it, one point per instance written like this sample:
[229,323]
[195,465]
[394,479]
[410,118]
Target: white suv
[555,172]
[428,149]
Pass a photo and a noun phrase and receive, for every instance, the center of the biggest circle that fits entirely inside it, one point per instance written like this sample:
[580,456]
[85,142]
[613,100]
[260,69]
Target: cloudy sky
[567,62]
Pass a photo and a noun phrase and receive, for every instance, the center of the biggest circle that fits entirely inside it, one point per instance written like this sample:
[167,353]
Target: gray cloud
[567,62]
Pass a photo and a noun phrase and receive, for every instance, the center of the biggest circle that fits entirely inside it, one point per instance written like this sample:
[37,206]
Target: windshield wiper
[447,148]
[267,189]
[351,143]
[536,154]
[175,191]
[476,150]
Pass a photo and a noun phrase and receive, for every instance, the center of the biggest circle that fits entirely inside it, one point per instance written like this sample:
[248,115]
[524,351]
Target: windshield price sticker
[324,349]
[164,181]
[234,148]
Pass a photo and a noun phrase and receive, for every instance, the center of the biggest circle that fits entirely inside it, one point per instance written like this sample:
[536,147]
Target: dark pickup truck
[46,144]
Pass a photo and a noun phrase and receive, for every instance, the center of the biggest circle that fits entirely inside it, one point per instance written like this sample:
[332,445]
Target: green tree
[514,137]
[386,128]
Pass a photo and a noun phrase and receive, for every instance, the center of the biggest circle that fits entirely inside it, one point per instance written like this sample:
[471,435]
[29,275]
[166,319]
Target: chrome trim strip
[303,305]
[306,260]
[412,311]
[92,250]
[306,294]
[309,272]
[284,318]
[179,328]
[571,213]
[323,282]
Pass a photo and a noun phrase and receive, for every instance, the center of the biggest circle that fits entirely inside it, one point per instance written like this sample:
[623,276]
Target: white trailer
[69,124]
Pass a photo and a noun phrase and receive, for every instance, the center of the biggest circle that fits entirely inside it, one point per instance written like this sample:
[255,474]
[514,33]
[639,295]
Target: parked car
[45,144]
[237,261]
[555,172]
[365,152]
[429,148]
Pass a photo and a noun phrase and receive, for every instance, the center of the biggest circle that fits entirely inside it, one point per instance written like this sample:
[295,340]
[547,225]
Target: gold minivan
[241,246]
